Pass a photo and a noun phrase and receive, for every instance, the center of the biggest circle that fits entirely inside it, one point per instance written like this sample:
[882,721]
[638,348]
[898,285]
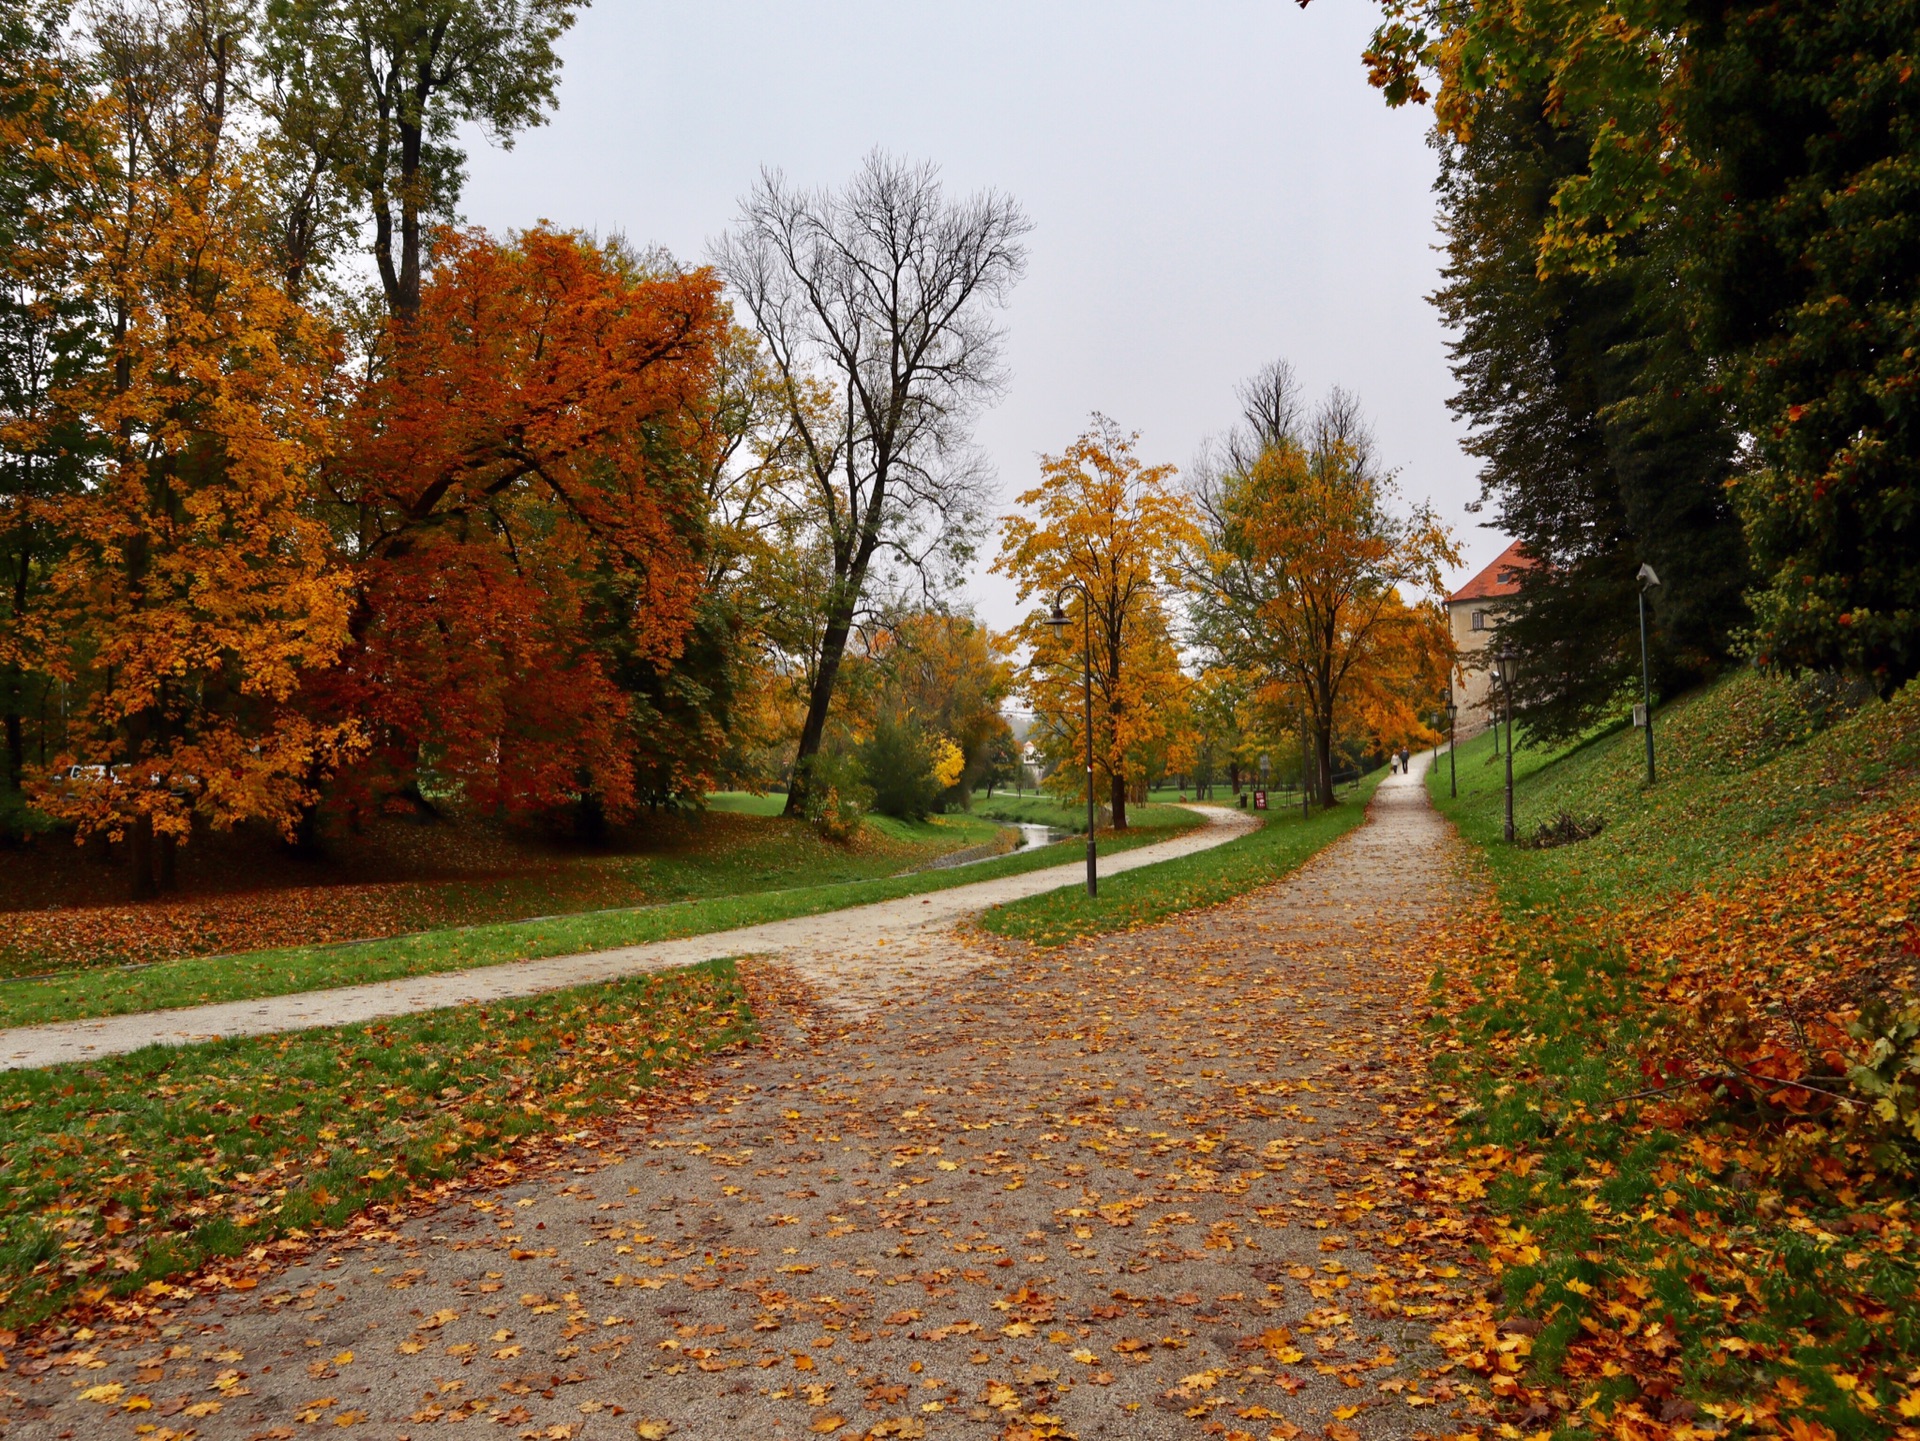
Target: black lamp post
[1649,580]
[1453,774]
[1060,621]
[1503,677]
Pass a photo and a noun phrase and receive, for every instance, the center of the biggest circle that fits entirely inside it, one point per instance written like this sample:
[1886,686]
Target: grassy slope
[1141,897]
[1742,775]
[127,1170]
[1636,1199]
[197,980]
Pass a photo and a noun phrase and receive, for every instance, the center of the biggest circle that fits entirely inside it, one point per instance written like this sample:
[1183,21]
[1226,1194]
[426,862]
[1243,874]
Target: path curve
[854,956]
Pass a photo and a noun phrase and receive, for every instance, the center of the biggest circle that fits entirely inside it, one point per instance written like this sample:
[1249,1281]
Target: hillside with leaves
[1681,1055]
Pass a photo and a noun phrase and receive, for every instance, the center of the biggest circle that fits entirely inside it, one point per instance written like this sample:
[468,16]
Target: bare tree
[884,292]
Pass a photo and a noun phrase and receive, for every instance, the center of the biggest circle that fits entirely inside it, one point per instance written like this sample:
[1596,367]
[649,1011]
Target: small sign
[1640,715]
[1259,800]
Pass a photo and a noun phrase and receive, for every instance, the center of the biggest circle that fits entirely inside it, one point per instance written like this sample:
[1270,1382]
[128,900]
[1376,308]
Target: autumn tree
[198,589]
[1303,574]
[876,304]
[951,673]
[1101,534]
[523,482]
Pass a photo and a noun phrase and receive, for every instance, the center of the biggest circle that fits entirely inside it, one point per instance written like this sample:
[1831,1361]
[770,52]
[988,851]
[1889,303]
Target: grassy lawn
[125,1171]
[1139,898]
[201,979]
[1697,1233]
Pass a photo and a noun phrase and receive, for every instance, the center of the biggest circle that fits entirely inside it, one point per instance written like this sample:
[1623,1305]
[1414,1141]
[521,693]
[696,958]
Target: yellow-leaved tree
[1101,535]
[1305,574]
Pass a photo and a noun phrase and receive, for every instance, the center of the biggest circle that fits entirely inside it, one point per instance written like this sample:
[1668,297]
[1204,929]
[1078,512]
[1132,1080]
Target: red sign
[1259,800]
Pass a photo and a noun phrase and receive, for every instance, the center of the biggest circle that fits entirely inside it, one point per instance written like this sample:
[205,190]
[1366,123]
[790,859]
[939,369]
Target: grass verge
[1663,1051]
[199,980]
[123,1172]
[1139,898]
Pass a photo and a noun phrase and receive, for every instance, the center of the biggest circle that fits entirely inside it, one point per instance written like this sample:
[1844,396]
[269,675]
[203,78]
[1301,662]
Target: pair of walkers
[1401,761]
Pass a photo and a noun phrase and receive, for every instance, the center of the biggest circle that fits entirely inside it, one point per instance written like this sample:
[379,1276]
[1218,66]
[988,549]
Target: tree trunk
[166,872]
[140,859]
[1323,762]
[833,645]
[16,748]
[1119,792]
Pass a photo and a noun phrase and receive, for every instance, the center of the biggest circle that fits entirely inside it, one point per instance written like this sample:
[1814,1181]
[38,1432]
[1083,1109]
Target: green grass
[1741,774]
[1138,898]
[121,1172]
[1554,1021]
[1045,810]
[201,979]
[746,803]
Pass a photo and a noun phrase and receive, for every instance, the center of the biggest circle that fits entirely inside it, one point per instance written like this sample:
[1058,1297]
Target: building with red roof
[1473,612]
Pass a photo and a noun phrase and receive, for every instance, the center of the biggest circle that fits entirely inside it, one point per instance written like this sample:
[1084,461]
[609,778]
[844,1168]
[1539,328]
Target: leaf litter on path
[1161,1184]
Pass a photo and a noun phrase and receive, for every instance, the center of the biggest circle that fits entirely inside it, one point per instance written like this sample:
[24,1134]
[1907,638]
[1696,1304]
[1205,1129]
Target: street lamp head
[1059,616]
[1649,578]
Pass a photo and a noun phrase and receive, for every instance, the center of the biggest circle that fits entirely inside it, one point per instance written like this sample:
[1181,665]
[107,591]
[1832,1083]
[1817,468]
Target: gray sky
[1213,185]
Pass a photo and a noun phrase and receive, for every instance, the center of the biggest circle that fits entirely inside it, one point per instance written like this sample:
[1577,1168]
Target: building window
[1479,620]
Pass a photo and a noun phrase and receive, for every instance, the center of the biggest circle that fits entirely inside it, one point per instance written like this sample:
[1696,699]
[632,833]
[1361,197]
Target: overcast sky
[1213,185]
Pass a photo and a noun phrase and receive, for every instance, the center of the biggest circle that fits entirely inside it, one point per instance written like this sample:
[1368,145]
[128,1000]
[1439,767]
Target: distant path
[855,956]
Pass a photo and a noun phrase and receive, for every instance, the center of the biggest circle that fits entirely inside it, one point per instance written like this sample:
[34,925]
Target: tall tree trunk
[833,646]
[1118,788]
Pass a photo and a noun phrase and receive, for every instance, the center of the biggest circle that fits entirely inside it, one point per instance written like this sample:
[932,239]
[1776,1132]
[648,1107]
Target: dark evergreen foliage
[1605,444]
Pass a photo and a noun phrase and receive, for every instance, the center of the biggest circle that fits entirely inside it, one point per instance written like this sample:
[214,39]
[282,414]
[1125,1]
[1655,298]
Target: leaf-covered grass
[120,1172]
[202,979]
[1152,893]
[402,878]
[1648,1047]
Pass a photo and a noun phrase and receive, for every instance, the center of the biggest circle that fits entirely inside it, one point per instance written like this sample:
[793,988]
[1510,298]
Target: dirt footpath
[1136,1187]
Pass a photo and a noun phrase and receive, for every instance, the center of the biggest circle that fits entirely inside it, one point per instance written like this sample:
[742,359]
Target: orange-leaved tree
[198,587]
[1101,535]
[523,486]
[1303,580]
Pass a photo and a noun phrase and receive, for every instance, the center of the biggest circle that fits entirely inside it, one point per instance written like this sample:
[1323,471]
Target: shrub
[837,795]
[901,764]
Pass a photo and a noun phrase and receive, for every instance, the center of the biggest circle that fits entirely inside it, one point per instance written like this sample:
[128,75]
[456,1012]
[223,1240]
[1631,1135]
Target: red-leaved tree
[520,494]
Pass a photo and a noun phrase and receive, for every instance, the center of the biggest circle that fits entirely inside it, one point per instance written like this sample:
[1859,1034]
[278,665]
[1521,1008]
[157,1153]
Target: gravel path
[1151,1185]
[856,955]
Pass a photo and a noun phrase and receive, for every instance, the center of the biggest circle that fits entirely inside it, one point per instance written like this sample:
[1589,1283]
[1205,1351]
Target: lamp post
[1649,580]
[1503,677]
[1060,621]
[1453,774]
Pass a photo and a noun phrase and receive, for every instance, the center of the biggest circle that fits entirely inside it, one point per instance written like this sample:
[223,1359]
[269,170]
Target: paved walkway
[854,955]
[1154,1185]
